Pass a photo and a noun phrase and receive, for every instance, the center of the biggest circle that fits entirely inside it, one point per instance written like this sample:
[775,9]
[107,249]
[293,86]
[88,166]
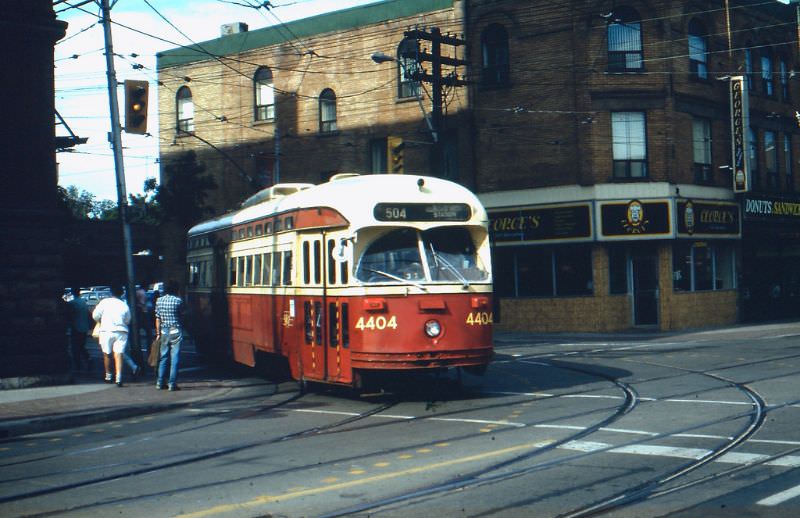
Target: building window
[327,111]
[748,68]
[494,56]
[407,67]
[629,143]
[766,73]
[771,159]
[265,95]
[543,272]
[701,150]
[625,41]
[377,156]
[184,110]
[702,266]
[787,160]
[784,77]
[755,174]
[698,50]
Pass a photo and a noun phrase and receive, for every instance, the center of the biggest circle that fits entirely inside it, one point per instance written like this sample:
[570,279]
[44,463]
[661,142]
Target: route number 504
[479,318]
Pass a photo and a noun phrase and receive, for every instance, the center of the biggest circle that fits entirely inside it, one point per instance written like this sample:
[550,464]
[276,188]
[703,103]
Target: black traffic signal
[136,106]
[395,148]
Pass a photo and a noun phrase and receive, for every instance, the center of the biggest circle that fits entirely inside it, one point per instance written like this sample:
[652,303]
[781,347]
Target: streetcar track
[484,476]
[193,458]
[487,478]
[645,490]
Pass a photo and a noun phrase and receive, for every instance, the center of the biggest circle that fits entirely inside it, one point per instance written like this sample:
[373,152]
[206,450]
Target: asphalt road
[683,425]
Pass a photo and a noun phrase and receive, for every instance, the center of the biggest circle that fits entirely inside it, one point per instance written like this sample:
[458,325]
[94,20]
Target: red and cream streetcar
[359,274]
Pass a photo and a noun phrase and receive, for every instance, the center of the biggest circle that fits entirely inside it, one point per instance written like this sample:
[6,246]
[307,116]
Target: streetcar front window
[445,254]
[452,256]
[394,257]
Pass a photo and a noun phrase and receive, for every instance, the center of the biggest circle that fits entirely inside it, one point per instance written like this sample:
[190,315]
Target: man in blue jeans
[169,329]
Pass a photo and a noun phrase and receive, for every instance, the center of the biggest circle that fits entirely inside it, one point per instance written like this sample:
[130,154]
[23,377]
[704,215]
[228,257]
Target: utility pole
[119,168]
[435,78]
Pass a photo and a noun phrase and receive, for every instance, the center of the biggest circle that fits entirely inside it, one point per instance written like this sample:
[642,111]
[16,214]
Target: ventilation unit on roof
[276,191]
[227,29]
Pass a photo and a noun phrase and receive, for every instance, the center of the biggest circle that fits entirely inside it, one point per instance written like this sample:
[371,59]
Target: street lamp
[380,57]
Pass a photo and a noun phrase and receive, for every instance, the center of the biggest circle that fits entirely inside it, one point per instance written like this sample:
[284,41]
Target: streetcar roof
[353,196]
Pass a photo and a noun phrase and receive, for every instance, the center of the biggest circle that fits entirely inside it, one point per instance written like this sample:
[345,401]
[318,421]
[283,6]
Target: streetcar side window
[259,230]
[331,262]
[306,263]
[287,268]
[257,270]
[276,268]
[240,271]
[232,272]
[317,262]
[265,269]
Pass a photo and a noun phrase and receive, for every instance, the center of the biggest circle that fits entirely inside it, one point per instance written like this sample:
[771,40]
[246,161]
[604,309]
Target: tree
[182,198]
[79,203]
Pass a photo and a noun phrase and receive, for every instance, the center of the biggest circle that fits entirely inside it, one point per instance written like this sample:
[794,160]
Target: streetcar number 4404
[479,318]
[380,323]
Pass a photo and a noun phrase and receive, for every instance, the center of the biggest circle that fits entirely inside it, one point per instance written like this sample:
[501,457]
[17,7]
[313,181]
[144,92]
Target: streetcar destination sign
[422,212]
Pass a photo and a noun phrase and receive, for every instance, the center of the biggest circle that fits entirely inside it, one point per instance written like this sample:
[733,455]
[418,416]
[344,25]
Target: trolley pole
[119,168]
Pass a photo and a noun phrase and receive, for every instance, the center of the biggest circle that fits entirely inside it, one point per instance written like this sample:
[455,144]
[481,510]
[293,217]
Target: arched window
[768,85]
[184,108]
[327,111]
[624,41]
[494,56]
[407,65]
[264,95]
[698,50]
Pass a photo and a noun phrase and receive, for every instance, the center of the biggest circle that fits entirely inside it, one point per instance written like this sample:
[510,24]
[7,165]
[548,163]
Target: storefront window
[682,267]
[617,270]
[703,266]
[534,272]
[573,272]
[542,272]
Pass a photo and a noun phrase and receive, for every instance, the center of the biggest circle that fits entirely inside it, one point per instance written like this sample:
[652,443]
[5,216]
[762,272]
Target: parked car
[90,297]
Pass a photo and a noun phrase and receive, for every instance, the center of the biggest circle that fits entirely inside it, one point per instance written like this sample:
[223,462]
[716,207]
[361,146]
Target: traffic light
[395,148]
[136,106]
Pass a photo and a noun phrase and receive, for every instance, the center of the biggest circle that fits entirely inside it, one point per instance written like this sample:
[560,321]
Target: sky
[81,82]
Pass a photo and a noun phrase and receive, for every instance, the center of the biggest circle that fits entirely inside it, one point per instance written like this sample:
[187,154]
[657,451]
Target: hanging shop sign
[708,219]
[740,123]
[635,219]
[552,223]
[771,209]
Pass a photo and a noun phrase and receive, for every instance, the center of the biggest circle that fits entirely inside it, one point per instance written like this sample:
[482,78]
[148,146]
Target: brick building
[597,134]
[32,339]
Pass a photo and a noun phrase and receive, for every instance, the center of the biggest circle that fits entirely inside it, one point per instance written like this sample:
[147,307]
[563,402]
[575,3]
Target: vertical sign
[740,123]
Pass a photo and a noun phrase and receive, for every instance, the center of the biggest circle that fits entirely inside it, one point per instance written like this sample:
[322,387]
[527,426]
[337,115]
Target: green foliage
[182,198]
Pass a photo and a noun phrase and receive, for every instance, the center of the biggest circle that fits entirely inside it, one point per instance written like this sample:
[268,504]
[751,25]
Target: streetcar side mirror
[343,251]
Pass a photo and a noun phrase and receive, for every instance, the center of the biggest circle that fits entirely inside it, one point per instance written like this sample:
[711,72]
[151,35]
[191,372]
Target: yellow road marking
[405,456]
[330,480]
[442,444]
[381,464]
[357,471]
[267,499]
[424,450]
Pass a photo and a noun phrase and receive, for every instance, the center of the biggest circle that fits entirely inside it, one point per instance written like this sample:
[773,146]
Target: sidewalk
[88,399]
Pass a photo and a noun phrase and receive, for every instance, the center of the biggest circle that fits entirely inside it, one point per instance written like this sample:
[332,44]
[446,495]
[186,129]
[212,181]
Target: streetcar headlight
[433,328]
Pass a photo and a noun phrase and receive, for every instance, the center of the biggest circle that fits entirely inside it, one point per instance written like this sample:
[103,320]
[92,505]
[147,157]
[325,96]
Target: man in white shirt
[114,317]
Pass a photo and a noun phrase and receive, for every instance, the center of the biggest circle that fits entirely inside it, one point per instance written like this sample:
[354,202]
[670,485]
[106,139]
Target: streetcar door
[645,288]
[313,342]
[337,338]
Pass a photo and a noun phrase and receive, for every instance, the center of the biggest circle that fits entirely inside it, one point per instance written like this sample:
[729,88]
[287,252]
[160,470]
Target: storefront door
[645,288]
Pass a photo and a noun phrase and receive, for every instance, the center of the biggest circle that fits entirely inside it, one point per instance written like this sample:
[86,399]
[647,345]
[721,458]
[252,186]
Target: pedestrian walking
[169,328]
[114,317]
[79,322]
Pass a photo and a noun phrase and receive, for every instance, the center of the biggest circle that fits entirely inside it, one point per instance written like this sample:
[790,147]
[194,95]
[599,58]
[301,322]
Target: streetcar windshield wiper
[397,278]
[438,259]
